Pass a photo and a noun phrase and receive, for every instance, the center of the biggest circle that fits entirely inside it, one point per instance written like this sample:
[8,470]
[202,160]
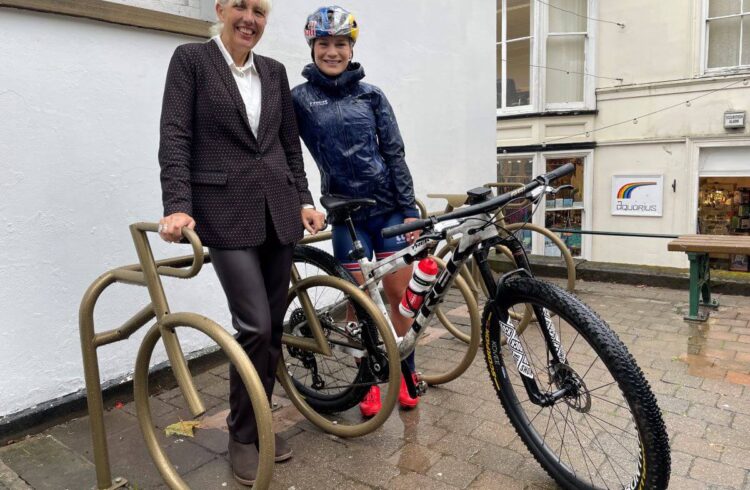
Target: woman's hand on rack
[170,227]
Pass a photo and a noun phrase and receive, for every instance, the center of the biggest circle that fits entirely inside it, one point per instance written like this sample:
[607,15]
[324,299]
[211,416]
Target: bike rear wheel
[356,352]
[341,382]
[606,431]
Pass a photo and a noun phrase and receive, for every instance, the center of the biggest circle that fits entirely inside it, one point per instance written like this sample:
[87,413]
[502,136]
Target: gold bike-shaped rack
[147,273]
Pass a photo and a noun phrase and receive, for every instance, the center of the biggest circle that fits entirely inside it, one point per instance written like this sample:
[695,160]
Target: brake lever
[535,193]
[562,188]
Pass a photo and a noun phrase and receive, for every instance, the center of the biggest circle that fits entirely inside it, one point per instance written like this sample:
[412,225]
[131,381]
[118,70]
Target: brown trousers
[255,281]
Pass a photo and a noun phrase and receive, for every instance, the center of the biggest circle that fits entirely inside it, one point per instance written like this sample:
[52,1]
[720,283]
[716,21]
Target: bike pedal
[420,385]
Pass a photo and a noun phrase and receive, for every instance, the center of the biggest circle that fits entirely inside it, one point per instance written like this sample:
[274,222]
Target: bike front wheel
[600,426]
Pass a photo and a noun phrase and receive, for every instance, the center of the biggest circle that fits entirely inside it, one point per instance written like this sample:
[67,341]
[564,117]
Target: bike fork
[551,337]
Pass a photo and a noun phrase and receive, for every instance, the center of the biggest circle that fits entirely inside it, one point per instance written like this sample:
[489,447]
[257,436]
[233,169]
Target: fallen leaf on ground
[182,428]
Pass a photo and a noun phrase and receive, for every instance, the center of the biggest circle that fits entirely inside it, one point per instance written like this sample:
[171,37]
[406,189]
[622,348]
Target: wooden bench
[698,248]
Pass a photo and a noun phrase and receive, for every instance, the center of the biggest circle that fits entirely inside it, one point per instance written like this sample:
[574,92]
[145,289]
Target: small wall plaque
[734,119]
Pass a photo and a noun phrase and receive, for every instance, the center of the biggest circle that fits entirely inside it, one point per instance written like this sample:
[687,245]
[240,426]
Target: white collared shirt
[248,81]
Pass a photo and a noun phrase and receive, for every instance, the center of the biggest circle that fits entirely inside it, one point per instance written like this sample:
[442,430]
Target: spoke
[609,401]
[609,423]
[578,334]
[597,420]
[600,387]
[562,438]
[592,461]
[604,452]
[535,416]
[590,366]
[585,454]
[546,428]
[562,443]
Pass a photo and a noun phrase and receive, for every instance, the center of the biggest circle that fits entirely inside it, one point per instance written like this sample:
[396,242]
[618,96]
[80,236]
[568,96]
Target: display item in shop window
[738,263]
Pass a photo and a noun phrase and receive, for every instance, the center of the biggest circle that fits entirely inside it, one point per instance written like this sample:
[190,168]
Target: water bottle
[425,273]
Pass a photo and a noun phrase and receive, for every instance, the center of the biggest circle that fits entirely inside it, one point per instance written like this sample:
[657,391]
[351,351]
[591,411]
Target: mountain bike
[571,389]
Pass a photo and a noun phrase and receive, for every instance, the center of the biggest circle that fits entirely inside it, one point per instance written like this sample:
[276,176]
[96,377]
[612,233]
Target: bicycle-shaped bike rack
[147,273]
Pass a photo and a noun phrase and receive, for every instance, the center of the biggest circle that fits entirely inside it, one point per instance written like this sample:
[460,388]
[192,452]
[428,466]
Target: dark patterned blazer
[213,167]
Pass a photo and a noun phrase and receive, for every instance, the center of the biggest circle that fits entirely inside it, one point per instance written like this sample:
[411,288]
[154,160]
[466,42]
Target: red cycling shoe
[370,404]
[404,399]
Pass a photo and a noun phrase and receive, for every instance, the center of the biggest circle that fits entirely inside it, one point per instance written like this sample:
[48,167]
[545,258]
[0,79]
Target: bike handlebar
[482,207]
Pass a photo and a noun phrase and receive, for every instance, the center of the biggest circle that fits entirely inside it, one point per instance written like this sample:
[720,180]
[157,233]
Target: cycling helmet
[331,21]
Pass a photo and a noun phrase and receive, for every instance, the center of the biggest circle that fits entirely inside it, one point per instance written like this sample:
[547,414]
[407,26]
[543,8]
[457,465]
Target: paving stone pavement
[459,436]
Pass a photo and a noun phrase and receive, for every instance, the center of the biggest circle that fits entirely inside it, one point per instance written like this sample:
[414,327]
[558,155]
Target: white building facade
[80,101]
[647,99]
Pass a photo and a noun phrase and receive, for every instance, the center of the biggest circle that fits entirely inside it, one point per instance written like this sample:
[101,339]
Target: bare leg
[394,286]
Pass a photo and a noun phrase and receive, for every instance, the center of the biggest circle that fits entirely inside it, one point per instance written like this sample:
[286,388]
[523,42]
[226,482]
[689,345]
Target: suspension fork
[551,336]
[504,320]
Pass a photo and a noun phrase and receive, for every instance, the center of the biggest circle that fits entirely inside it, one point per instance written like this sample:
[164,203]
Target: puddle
[716,354]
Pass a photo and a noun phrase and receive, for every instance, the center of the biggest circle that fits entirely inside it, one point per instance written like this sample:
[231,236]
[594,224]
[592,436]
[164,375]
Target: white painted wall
[80,104]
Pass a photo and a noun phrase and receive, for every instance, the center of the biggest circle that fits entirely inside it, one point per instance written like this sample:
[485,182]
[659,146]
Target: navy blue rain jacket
[351,132]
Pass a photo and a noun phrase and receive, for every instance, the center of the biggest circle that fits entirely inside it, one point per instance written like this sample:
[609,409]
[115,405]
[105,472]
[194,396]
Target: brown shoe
[244,461]
[283,451]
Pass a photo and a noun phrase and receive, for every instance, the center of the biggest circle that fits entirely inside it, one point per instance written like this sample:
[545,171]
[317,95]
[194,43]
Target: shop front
[724,198]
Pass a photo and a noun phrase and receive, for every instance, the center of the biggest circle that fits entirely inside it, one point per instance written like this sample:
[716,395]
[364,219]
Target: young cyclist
[351,132]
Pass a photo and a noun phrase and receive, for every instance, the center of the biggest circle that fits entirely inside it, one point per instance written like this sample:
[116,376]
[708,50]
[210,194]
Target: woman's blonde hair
[265,5]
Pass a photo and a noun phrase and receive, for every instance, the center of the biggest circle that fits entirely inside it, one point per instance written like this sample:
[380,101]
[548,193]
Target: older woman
[231,167]
[351,132]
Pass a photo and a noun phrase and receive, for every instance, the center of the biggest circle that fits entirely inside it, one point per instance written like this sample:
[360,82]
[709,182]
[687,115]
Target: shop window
[566,210]
[511,173]
[724,209]
[727,34]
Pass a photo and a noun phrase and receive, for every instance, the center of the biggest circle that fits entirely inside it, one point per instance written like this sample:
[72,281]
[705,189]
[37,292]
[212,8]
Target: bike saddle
[337,204]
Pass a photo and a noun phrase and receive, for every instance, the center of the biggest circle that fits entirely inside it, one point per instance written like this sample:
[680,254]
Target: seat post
[358,252]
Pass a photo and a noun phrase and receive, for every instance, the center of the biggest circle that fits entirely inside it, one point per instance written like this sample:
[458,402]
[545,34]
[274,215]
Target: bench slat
[727,244]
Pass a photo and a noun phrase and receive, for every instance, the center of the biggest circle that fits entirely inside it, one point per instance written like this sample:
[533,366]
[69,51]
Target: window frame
[116,13]
[533,72]
[704,44]
[538,79]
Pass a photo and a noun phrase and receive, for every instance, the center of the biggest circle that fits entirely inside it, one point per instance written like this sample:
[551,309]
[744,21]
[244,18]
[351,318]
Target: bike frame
[475,238]
[476,234]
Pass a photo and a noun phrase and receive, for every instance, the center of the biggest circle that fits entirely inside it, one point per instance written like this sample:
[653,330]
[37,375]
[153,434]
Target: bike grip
[566,169]
[396,230]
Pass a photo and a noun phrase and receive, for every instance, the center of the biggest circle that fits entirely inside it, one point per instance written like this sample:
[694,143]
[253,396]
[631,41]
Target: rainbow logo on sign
[626,190]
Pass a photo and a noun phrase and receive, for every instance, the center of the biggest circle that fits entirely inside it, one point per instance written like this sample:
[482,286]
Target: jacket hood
[353,74]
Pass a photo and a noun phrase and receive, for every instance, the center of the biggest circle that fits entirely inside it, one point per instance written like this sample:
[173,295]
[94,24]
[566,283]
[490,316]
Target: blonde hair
[215,30]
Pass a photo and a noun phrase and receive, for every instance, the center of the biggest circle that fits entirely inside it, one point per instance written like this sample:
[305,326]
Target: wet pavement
[459,436]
